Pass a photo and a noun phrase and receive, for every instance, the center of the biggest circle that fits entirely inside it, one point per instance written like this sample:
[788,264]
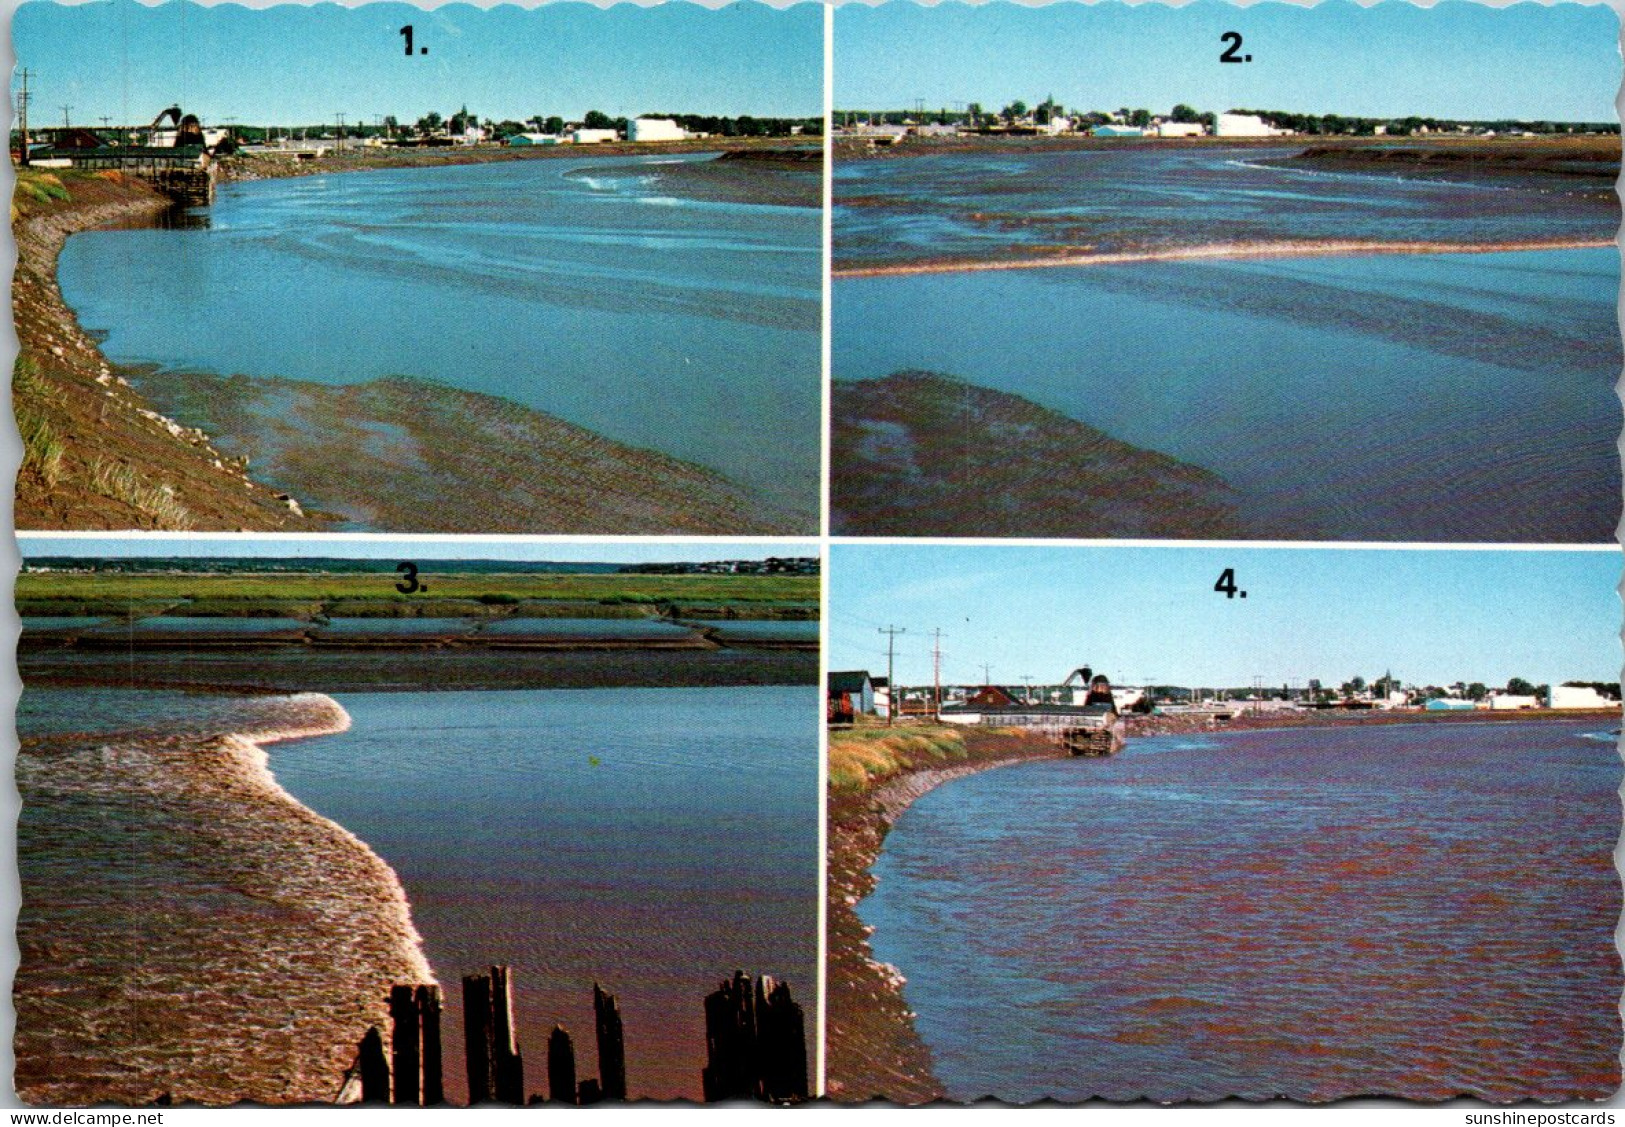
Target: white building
[1505,702]
[1245,125]
[593,136]
[644,129]
[1580,696]
[1181,129]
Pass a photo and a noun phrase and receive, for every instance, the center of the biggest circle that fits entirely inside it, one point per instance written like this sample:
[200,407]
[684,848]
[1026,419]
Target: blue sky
[408,548]
[1151,614]
[1457,59]
[303,64]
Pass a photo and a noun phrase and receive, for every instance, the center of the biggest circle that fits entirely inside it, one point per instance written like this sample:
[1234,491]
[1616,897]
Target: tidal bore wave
[1219,251]
[189,930]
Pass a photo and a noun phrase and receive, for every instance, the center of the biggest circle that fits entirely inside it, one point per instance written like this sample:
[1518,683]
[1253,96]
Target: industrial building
[645,129]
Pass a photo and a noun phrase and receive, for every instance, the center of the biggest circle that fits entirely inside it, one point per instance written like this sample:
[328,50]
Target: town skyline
[1391,59]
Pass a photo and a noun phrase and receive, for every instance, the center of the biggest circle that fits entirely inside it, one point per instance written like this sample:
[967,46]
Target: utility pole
[987,675]
[1028,677]
[936,675]
[891,633]
[65,110]
[22,116]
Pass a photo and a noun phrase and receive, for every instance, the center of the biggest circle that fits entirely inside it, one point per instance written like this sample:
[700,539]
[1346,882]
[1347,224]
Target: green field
[309,595]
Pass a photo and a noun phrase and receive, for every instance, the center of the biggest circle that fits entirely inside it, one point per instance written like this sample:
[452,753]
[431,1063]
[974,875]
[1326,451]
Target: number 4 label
[1226,585]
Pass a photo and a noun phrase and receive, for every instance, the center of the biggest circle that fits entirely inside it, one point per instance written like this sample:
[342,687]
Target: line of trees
[433,123]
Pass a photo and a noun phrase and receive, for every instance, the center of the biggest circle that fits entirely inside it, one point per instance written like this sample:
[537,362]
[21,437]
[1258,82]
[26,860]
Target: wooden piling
[782,1044]
[507,1065]
[405,1039]
[755,1042]
[477,1036]
[561,1066]
[729,1018]
[374,1068]
[611,1044]
[428,1006]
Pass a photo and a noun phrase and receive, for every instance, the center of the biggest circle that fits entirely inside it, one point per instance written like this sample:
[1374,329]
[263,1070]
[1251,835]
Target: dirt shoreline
[873,1050]
[226,944]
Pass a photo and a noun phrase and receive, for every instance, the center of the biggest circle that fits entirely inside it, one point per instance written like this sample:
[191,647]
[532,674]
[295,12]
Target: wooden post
[507,1065]
[404,1041]
[428,1006]
[730,1023]
[374,1069]
[611,1044]
[561,1066]
[477,1036]
[782,1044]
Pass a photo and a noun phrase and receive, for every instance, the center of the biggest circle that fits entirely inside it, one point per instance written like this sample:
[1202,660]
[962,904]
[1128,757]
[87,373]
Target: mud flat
[873,1050]
[1558,156]
[189,932]
[414,455]
[97,456]
[922,454]
[780,177]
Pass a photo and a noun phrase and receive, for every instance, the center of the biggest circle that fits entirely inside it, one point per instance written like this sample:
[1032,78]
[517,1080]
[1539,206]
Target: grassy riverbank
[96,455]
[872,1049]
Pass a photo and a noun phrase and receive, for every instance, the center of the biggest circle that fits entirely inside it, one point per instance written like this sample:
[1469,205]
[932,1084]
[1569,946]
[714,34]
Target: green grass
[43,448]
[410,606]
[861,757]
[26,379]
[251,608]
[364,595]
[41,187]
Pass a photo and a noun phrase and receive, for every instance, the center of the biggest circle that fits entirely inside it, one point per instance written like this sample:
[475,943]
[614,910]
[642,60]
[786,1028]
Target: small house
[848,696]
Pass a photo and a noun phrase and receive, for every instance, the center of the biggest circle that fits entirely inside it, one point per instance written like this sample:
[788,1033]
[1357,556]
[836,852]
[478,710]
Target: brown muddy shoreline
[873,1050]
